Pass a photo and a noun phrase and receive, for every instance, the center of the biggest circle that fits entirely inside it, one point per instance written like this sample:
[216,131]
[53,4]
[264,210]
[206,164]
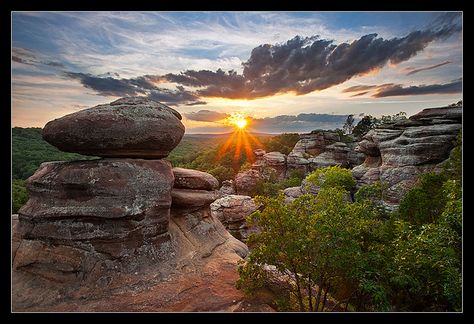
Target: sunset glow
[237,120]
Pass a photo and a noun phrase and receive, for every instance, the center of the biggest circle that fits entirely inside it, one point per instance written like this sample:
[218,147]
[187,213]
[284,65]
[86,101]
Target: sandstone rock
[134,127]
[231,211]
[320,149]
[292,193]
[186,198]
[92,210]
[276,161]
[194,271]
[246,182]
[228,188]
[193,179]
[396,153]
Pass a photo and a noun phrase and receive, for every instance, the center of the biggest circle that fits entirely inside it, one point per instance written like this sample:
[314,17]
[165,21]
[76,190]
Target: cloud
[411,70]
[107,85]
[398,90]
[206,116]
[365,87]
[28,57]
[306,64]
[304,122]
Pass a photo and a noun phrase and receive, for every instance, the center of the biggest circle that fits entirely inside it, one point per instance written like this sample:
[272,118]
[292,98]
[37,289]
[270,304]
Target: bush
[333,176]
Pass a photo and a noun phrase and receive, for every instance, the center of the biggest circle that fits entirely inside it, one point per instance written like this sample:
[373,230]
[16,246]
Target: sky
[283,71]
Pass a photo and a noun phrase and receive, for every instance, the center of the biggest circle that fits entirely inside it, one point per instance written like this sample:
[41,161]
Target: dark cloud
[305,64]
[143,85]
[398,90]
[413,70]
[28,57]
[366,87]
[360,94]
[206,115]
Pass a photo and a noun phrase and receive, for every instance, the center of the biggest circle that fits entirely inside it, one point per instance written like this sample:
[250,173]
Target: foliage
[333,176]
[425,201]
[453,166]
[322,244]
[375,194]
[364,126]
[19,195]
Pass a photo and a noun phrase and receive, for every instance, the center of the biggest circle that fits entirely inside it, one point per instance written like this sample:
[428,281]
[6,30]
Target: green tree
[324,245]
[19,195]
[425,202]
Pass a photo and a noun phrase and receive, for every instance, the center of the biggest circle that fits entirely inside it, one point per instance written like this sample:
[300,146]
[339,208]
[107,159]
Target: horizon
[270,65]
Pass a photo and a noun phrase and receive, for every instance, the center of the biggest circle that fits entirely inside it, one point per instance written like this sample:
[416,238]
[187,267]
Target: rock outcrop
[232,210]
[228,188]
[397,152]
[134,127]
[320,149]
[246,182]
[123,234]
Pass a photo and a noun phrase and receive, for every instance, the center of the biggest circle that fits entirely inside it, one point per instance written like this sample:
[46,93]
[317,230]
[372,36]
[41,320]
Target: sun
[241,123]
[236,119]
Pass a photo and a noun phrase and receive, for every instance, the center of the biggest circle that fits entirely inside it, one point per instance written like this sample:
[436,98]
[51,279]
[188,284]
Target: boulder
[133,127]
[193,179]
[232,210]
[292,193]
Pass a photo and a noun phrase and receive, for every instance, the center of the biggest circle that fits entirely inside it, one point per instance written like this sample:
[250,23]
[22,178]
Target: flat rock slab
[134,127]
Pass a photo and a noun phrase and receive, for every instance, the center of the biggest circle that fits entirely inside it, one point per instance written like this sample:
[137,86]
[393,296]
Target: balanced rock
[132,127]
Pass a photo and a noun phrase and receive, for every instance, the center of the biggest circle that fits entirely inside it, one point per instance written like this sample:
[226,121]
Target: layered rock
[232,210]
[397,152]
[320,149]
[83,212]
[123,234]
[134,127]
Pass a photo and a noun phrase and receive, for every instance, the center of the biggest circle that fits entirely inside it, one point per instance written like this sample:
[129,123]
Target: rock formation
[232,210]
[129,127]
[122,233]
[246,182]
[227,188]
[320,149]
[397,152]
